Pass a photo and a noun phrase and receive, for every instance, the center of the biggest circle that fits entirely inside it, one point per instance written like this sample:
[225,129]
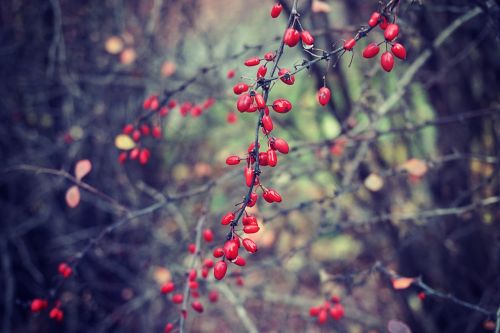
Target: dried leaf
[374,182]
[73,196]
[402,282]
[415,167]
[320,7]
[397,326]
[82,168]
[124,142]
[113,45]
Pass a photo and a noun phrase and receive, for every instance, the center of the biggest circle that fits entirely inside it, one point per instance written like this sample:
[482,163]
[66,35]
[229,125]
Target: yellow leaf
[124,142]
[402,282]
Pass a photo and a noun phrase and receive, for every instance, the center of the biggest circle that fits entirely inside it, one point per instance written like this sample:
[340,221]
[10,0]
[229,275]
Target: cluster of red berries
[65,270]
[193,284]
[38,305]
[144,128]
[332,307]
[391,32]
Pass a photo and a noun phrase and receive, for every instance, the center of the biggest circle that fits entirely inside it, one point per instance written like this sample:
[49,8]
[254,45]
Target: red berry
[134,153]
[192,275]
[248,176]
[269,56]
[323,96]
[276,10]
[282,105]
[231,249]
[192,248]
[314,311]
[383,24]
[185,108]
[144,156]
[127,129]
[218,252]
[156,132]
[249,245]
[421,295]
[213,296]
[349,44]
[259,100]
[230,73]
[387,61]
[243,103]
[272,158]
[254,61]
[291,37]
[253,196]
[38,305]
[371,50]
[154,103]
[196,111]
[373,21]
[391,32]
[168,328]
[163,111]
[239,88]
[136,135]
[177,298]
[145,130]
[208,263]
[231,118]
[122,157]
[267,123]
[197,306]
[274,196]
[65,270]
[228,218]
[233,160]
[263,159]
[56,314]
[220,270]
[249,220]
[322,316]
[337,311]
[335,299]
[251,229]
[307,38]
[208,235]
[399,51]
[261,72]
[167,287]
[286,77]
[240,261]
[251,147]
[172,104]
[281,145]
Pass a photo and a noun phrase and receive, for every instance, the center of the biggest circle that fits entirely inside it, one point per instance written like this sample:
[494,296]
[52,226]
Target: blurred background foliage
[74,73]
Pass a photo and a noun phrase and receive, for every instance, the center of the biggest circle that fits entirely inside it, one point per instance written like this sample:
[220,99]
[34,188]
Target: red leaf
[73,196]
[82,168]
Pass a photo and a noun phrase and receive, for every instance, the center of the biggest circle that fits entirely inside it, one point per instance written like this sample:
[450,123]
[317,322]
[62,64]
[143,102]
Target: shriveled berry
[286,77]
[371,50]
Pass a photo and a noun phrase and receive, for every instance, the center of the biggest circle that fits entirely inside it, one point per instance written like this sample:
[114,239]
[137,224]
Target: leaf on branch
[73,196]
[320,7]
[374,182]
[396,326]
[124,142]
[82,168]
[402,282]
[415,167]
[113,45]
